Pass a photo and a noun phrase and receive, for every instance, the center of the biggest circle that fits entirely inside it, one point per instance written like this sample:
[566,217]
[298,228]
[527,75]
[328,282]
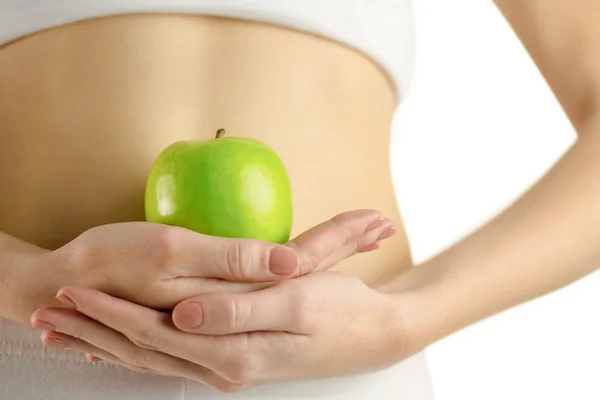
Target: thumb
[232,259]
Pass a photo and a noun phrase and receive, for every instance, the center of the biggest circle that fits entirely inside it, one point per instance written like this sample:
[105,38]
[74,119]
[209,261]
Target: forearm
[545,240]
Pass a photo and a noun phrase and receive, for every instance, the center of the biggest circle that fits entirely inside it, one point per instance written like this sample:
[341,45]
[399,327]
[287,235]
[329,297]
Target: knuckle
[232,257]
[239,313]
[241,364]
[239,259]
[147,338]
[77,333]
[308,263]
[341,223]
[240,372]
[139,358]
[168,244]
[236,373]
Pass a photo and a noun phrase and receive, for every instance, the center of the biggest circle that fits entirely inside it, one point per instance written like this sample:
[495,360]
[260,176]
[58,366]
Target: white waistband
[29,371]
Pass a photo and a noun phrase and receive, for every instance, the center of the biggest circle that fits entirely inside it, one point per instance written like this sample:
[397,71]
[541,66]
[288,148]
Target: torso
[85,108]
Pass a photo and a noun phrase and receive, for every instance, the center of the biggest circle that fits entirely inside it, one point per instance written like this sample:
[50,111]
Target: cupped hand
[158,265]
[317,326]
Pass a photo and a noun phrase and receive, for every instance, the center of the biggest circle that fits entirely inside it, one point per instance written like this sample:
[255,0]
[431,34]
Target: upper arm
[563,39]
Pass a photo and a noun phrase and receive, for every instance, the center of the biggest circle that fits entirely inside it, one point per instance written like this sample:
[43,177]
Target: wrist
[423,308]
[421,324]
[21,283]
[10,286]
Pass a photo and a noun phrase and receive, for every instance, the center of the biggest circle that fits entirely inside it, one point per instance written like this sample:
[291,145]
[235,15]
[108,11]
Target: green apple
[227,186]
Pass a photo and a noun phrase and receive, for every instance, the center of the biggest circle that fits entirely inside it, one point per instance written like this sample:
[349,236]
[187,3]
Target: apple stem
[220,133]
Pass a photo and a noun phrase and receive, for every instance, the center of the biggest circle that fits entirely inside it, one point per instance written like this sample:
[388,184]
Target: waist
[85,108]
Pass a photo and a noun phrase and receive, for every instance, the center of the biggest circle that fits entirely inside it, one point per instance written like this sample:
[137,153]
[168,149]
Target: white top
[381,29]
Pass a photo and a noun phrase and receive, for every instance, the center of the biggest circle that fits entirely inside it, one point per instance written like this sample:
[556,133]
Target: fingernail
[54,342]
[43,325]
[92,358]
[376,224]
[66,300]
[283,261]
[188,315]
[389,232]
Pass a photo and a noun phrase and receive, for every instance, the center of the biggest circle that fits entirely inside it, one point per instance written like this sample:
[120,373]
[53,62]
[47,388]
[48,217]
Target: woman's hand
[321,325]
[158,266]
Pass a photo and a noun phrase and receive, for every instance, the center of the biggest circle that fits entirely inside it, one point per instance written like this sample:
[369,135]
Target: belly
[86,108]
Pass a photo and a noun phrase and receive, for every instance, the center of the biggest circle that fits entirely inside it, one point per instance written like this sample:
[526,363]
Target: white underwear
[30,371]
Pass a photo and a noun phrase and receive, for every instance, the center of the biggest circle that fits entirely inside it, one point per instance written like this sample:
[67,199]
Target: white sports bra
[381,29]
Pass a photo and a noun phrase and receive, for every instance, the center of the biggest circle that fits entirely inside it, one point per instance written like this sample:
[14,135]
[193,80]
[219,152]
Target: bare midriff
[86,107]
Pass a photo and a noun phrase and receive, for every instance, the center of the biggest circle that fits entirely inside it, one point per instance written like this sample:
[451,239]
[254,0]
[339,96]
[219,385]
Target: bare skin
[544,241]
[85,108]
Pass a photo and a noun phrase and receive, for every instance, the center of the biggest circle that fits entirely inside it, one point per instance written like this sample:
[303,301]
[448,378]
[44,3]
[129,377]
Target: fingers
[319,248]
[271,309]
[253,261]
[237,260]
[344,235]
[93,353]
[81,332]
[232,362]
[144,327]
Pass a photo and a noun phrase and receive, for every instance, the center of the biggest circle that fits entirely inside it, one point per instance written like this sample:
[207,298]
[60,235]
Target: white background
[479,126]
